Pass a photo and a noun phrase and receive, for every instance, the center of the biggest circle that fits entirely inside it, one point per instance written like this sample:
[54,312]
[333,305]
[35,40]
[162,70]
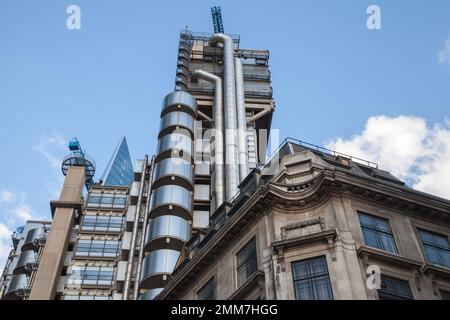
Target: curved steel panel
[182,99]
[156,267]
[25,257]
[150,294]
[167,232]
[183,63]
[171,199]
[176,145]
[172,120]
[32,235]
[18,282]
[174,171]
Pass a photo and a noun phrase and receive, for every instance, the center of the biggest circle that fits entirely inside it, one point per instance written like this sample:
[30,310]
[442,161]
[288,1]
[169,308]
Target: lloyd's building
[210,217]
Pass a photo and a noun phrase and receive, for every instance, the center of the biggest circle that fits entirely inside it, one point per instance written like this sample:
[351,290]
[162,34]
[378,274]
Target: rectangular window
[207,291]
[247,262]
[311,279]
[394,289]
[92,276]
[436,247]
[377,232]
[107,200]
[89,223]
[102,224]
[97,248]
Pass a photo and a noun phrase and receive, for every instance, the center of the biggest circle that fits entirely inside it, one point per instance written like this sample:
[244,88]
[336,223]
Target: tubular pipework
[218,133]
[241,120]
[126,287]
[231,157]
[144,228]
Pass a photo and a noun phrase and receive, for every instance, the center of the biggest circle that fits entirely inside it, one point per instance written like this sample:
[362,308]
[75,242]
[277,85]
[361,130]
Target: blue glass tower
[119,171]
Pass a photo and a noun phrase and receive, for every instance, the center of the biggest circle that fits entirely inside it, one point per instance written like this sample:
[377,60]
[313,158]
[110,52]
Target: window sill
[256,280]
[366,253]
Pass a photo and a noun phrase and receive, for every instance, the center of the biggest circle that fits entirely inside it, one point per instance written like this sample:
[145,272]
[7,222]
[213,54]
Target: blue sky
[382,94]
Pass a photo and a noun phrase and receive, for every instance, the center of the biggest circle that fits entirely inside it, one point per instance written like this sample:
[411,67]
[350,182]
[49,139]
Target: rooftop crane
[217,20]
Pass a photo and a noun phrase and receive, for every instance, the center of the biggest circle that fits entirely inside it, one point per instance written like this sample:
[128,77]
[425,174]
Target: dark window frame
[312,277]
[200,293]
[249,263]
[378,232]
[434,245]
[383,294]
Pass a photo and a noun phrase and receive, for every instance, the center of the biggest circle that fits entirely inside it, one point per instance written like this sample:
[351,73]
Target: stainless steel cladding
[231,163]
[157,266]
[218,134]
[32,235]
[163,227]
[26,260]
[150,294]
[171,202]
[17,288]
[184,53]
[241,120]
[168,170]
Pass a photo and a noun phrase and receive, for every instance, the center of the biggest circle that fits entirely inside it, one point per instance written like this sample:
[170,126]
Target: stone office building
[311,227]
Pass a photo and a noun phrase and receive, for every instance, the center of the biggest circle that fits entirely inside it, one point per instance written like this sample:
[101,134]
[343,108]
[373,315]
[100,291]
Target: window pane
[442,242]
[377,232]
[304,290]
[88,223]
[314,283]
[300,270]
[102,223]
[207,292]
[394,289]
[365,220]
[446,258]
[322,288]
[433,255]
[382,225]
[387,243]
[370,238]
[107,201]
[426,236]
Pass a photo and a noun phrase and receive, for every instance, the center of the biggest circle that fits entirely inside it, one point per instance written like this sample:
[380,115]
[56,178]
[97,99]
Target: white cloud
[5,244]
[444,54]
[13,213]
[6,196]
[51,148]
[406,147]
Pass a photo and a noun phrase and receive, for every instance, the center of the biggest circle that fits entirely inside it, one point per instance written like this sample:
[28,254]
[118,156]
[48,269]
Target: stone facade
[308,207]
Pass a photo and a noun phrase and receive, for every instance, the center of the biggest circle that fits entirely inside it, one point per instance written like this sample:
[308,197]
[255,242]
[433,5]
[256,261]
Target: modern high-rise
[119,171]
[209,217]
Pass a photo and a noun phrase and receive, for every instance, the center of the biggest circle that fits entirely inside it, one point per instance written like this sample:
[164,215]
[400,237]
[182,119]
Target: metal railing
[314,147]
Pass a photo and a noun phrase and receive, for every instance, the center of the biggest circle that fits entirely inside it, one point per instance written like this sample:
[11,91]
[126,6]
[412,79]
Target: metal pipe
[126,287]
[143,232]
[241,120]
[218,133]
[232,171]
